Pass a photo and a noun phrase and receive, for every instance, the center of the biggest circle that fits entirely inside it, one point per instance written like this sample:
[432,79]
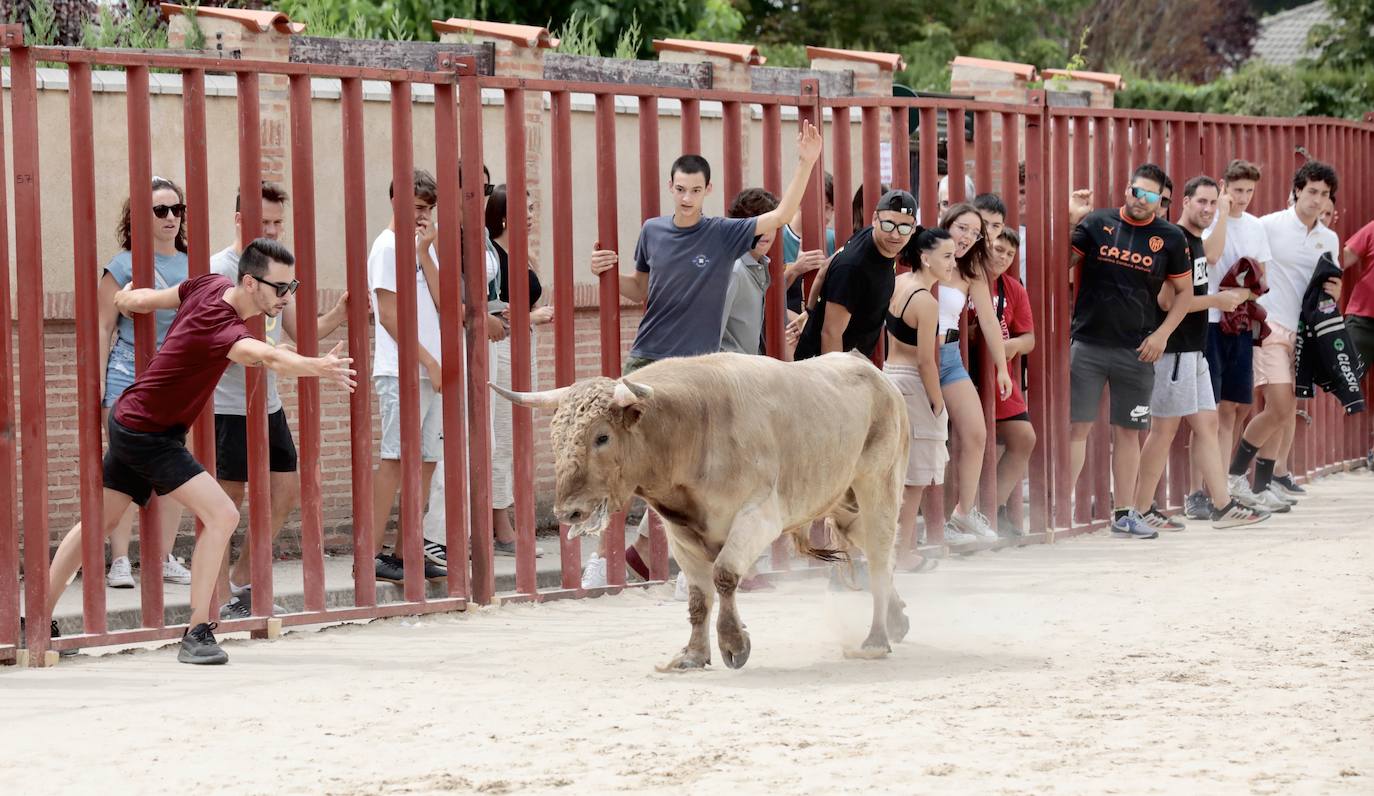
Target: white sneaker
[1264,500]
[954,536]
[174,572]
[594,573]
[121,574]
[975,524]
[1239,487]
[680,590]
[1277,491]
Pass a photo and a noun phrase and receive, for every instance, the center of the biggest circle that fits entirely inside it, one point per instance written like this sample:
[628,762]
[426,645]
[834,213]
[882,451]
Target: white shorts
[431,419]
[1183,385]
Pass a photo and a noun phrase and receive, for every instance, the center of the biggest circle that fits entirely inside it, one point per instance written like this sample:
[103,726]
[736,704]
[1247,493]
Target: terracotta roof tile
[889,61]
[743,53]
[531,36]
[256,21]
[1022,71]
[1107,79]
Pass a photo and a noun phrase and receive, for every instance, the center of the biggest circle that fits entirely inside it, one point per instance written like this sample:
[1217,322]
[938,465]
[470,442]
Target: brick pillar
[873,72]
[1101,87]
[519,53]
[730,64]
[992,81]
[255,36]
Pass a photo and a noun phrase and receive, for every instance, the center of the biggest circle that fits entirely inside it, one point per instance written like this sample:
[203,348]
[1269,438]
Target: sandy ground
[1206,662]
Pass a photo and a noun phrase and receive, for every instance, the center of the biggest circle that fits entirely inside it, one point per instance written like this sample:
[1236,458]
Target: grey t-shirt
[742,327]
[689,272]
[231,394]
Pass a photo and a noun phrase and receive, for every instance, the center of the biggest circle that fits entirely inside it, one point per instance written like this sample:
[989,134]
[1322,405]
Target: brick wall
[336,429]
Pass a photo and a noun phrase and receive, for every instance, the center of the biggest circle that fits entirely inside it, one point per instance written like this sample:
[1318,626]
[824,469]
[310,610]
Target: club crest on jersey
[1156,243]
[701,261]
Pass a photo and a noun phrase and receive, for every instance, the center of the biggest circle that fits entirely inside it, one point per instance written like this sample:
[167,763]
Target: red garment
[1249,316]
[1362,295]
[1012,303]
[182,375]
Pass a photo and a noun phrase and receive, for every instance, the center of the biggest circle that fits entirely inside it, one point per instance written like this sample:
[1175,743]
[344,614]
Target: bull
[733,451]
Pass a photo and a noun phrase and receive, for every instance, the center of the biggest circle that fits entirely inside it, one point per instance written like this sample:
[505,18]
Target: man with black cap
[858,284]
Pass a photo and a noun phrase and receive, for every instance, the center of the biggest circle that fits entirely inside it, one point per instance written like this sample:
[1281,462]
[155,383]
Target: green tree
[1347,41]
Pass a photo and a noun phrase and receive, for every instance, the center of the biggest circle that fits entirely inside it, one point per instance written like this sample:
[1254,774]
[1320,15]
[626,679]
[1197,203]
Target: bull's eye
[602,439]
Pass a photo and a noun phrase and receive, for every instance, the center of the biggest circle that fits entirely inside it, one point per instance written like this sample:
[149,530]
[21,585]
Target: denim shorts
[119,372]
[951,364]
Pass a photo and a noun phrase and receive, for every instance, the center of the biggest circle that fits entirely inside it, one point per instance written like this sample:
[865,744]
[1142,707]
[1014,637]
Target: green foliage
[786,55]
[578,35]
[42,23]
[195,37]
[138,25]
[719,21]
[927,61]
[1345,42]
[1260,90]
[631,41]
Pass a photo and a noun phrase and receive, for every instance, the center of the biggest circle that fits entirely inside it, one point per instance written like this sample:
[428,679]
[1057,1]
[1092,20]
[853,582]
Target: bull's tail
[801,536]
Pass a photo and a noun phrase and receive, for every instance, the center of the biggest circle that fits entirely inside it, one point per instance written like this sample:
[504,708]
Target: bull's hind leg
[753,529]
[691,556]
[875,531]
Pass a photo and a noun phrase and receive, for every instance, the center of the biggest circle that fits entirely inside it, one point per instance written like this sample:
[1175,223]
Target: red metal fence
[1062,149]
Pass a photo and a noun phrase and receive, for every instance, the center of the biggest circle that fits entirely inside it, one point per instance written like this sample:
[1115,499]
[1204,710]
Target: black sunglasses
[282,288]
[176,210]
[488,189]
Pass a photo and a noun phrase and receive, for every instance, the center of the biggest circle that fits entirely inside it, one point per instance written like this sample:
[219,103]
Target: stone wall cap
[889,61]
[531,36]
[1107,79]
[1022,71]
[743,53]
[256,21]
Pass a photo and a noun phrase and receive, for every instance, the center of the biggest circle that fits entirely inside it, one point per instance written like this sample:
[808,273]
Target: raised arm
[1215,242]
[130,301]
[324,324]
[250,352]
[808,152]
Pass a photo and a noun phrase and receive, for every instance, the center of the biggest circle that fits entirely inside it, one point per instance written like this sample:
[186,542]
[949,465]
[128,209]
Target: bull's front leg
[691,556]
[753,529]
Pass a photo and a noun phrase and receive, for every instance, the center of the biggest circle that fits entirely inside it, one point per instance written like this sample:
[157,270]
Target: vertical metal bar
[982,152]
[475,321]
[691,127]
[928,190]
[1068,160]
[1140,144]
[954,146]
[732,144]
[359,338]
[649,193]
[9,495]
[1039,285]
[151,553]
[517,280]
[307,338]
[250,209]
[86,275]
[450,214]
[28,248]
[872,144]
[608,300]
[841,172]
[775,300]
[901,147]
[813,202]
[1158,141]
[1010,183]
[564,329]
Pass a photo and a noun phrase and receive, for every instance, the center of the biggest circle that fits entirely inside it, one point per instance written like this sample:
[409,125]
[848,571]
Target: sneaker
[53,632]
[198,646]
[955,537]
[1198,506]
[1268,501]
[174,572]
[1158,519]
[1239,487]
[1277,491]
[974,523]
[594,573]
[680,588]
[1005,527]
[435,572]
[1288,485]
[503,548]
[121,574]
[436,553]
[1131,526]
[389,569]
[1235,515]
[241,606]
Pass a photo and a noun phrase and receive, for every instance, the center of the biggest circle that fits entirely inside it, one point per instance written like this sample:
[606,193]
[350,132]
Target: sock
[1245,453]
[1119,513]
[1264,473]
[636,562]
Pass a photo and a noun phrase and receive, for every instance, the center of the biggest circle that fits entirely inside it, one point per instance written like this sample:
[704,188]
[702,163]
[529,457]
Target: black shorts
[139,463]
[1230,358]
[231,446]
[1022,416]
[1130,382]
[1361,331]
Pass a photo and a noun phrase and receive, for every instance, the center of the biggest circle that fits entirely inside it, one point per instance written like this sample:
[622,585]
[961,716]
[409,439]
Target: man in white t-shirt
[231,407]
[1297,239]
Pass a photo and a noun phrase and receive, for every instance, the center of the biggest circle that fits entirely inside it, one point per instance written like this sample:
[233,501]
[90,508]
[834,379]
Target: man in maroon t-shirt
[147,427]
[1358,262]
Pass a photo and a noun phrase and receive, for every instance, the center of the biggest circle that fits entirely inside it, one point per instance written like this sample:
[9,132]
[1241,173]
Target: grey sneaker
[1161,521]
[121,574]
[198,646]
[1288,485]
[1131,526]
[241,606]
[1198,506]
[1278,493]
[974,523]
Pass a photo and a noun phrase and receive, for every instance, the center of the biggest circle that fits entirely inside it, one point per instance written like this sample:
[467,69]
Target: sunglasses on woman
[282,288]
[177,210]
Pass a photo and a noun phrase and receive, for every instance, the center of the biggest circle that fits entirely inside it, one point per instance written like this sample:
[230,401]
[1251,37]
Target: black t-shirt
[1124,266]
[503,289]
[1191,334]
[860,279]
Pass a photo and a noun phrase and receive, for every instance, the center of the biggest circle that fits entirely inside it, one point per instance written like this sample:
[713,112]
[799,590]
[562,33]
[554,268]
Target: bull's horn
[627,393]
[544,399]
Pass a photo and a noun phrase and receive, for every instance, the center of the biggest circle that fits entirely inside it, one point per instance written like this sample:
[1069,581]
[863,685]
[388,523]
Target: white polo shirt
[1296,250]
[1245,237]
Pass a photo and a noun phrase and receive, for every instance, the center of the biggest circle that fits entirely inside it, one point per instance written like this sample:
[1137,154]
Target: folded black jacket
[1326,356]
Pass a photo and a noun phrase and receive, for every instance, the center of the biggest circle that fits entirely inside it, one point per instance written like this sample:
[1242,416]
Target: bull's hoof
[686,661]
[868,653]
[737,654]
[898,625]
